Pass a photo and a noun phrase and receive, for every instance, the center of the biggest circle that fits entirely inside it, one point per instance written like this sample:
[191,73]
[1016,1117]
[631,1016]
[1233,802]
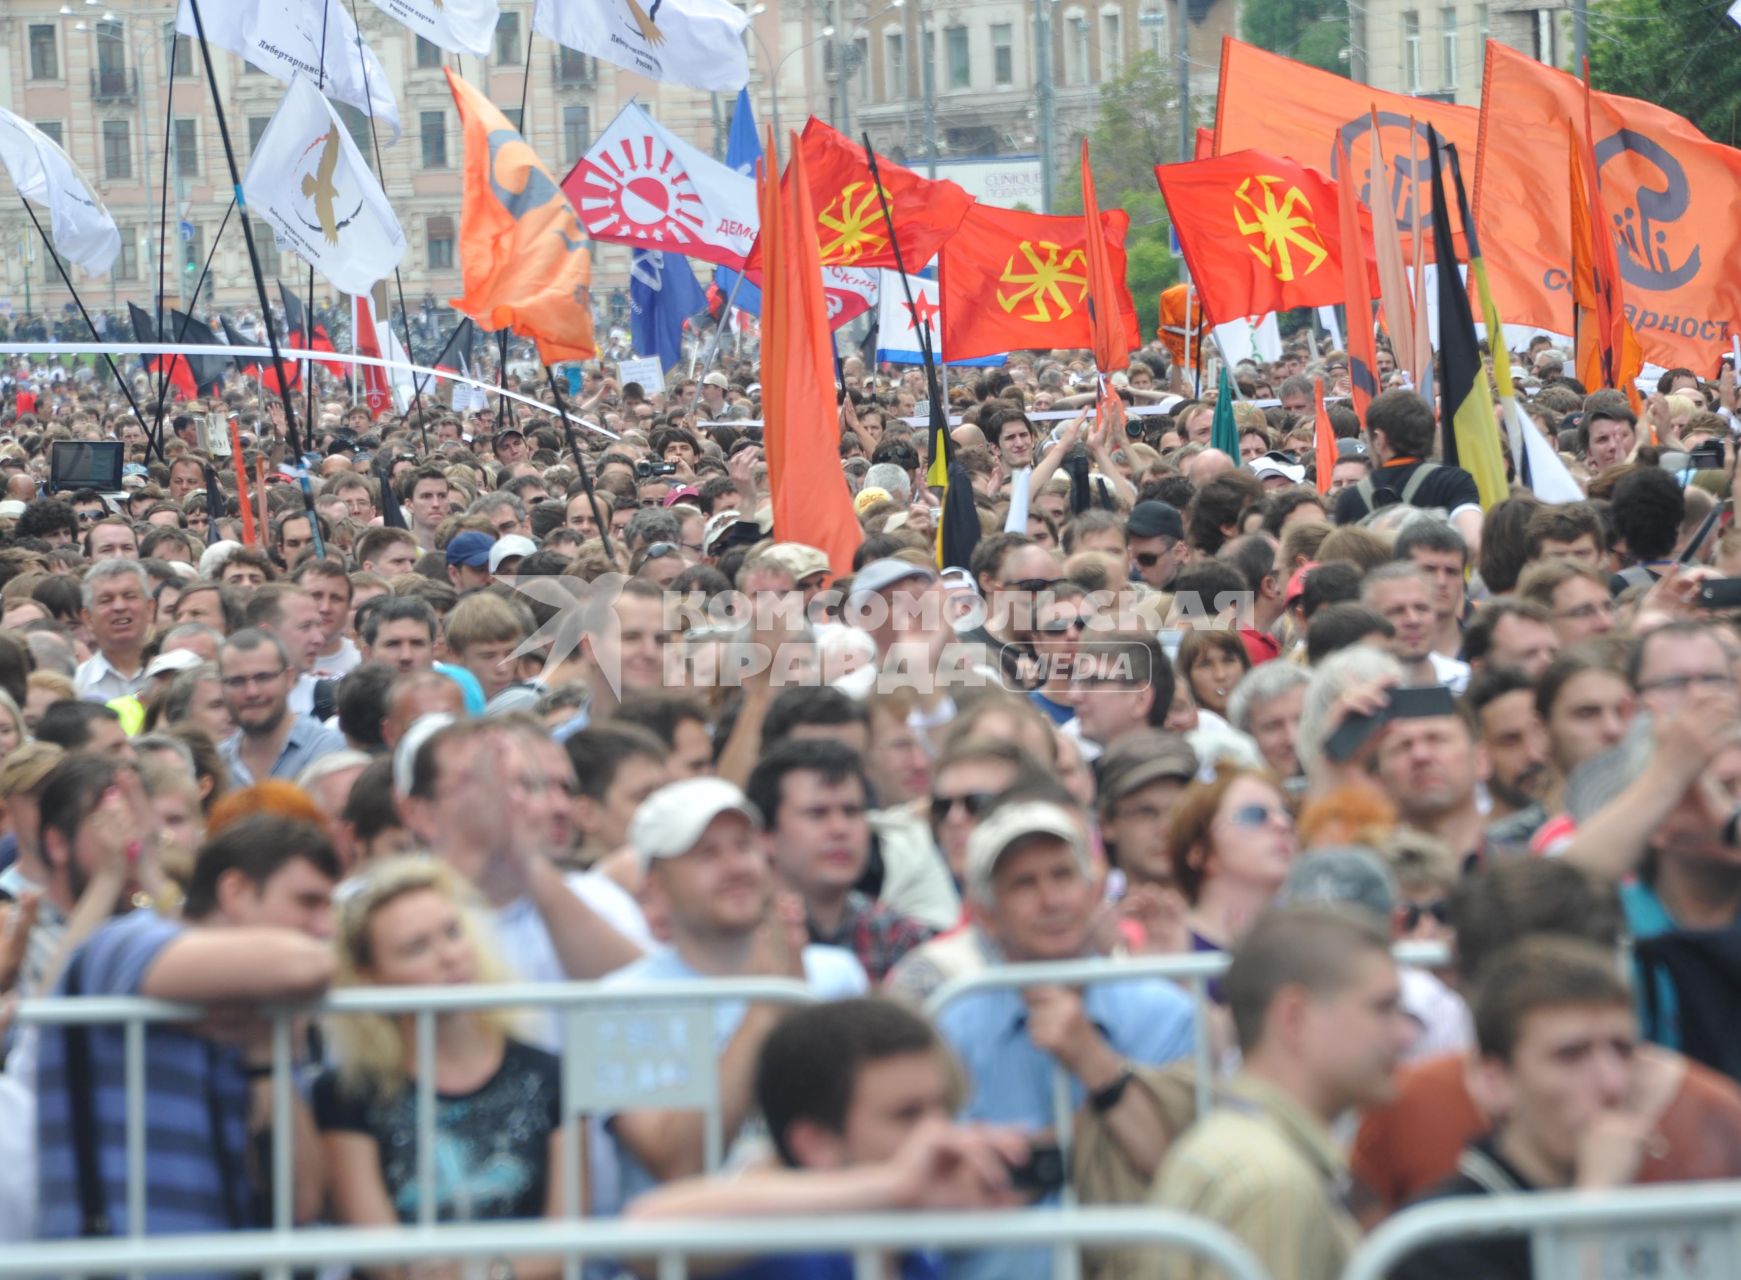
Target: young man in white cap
[708,878]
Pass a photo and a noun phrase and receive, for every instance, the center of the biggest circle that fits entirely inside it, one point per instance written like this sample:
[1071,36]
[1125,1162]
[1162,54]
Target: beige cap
[1009,826]
[671,821]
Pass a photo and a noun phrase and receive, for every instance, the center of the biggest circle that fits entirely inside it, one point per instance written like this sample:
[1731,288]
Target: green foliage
[1135,128]
[1310,31]
[1680,54]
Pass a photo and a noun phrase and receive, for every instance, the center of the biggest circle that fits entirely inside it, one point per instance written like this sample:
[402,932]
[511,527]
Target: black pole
[295,438]
[308,312]
[79,303]
[939,410]
[604,526]
[163,230]
[503,404]
[181,329]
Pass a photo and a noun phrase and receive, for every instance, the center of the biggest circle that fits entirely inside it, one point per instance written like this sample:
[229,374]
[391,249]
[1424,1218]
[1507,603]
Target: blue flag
[663,293]
[742,149]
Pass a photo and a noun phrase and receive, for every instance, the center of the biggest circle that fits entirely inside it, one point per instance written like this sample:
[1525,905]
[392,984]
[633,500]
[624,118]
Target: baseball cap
[1008,826]
[797,559]
[671,821]
[681,493]
[470,548]
[880,575]
[715,529]
[172,662]
[1276,463]
[515,544]
[1351,447]
[1155,519]
[716,379]
[11,508]
[1297,583]
[1141,758]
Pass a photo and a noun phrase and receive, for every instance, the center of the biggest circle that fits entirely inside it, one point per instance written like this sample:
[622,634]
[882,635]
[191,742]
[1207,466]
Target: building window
[1076,51]
[960,69]
[573,67]
[51,131]
[576,131]
[1411,47]
[428,55]
[1111,44]
[1448,45]
[111,60]
[894,65]
[177,54]
[861,66]
[1544,37]
[44,53]
[271,262]
[1003,54]
[1154,25]
[117,150]
[439,232]
[510,49]
[432,127]
[127,264]
[1483,26]
[186,143]
[256,131]
[357,125]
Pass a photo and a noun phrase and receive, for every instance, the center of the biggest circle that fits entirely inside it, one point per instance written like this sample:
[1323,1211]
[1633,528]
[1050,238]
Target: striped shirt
[1265,1169]
[193,1088]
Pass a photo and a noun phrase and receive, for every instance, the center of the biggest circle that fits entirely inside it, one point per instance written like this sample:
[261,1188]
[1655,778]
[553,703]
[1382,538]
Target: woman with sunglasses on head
[1231,841]
[409,922]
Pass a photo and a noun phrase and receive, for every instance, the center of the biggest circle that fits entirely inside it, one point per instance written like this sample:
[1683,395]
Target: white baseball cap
[506,548]
[1010,825]
[671,821]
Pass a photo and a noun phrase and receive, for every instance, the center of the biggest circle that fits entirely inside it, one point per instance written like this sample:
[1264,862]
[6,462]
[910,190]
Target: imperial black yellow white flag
[698,43]
[310,183]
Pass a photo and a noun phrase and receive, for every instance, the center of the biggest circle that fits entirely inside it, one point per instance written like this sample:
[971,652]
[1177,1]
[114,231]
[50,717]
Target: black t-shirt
[492,1145]
[1482,1171]
[1446,487]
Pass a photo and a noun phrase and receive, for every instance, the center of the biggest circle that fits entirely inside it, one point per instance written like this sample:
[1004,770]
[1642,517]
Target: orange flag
[523,258]
[1015,281]
[1357,293]
[1393,280]
[1673,198]
[1258,233]
[1608,351]
[850,228]
[812,504]
[1324,436]
[1106,287]
[1270,103]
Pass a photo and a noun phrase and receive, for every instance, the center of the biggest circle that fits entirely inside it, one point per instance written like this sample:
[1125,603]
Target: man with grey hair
[1266,706]
[1347,674]
[1402,593]
[119,611]
[270,741]
[650,525]
[891,479]
[505,512]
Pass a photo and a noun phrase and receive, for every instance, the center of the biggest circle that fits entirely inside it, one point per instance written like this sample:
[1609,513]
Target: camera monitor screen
[85,464]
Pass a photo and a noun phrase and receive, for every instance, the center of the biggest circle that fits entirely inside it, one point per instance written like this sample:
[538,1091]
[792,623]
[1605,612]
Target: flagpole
[313,369]
[398,281]
[724,319]
[181,329]
[79,303]
[247,231]
[604,525]
[163,232]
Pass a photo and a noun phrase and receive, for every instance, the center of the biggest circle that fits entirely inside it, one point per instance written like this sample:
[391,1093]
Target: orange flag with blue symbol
[523,259]
[851,230]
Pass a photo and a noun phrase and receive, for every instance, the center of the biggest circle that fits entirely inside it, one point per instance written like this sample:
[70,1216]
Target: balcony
[574,70]
[119,84]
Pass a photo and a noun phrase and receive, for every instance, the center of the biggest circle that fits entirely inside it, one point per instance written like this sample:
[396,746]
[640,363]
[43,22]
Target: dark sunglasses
[1031,584]
[1149,559]
[1256,815]
[973,801]
[1058,626]
[1414,912]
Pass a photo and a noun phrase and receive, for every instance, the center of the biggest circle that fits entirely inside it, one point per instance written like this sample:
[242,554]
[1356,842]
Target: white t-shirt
[338,665]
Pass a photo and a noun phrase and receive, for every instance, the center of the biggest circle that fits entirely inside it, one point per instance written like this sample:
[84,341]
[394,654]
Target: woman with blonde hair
[411,922]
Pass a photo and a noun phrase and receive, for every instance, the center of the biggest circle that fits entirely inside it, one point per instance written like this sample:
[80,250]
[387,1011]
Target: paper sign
[216,434]
[644,371]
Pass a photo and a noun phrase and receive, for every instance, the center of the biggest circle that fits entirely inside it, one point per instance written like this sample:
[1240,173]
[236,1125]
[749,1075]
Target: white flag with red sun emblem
[642,185]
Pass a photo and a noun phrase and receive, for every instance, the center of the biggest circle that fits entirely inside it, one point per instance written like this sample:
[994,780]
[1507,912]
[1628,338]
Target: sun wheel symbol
[638,190]
[1285,226]
[855,219]
[1041,273]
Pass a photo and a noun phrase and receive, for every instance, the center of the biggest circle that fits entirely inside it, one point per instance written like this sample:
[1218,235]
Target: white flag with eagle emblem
[697,43]
[460,26]
[81,229]
[314,37]
[309,182]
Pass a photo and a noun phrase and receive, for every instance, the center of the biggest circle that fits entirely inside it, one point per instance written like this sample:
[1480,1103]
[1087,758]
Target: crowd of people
[464,698]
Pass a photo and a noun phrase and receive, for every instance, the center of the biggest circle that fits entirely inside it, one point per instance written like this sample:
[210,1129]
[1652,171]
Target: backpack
[1704,968]
[1368,491]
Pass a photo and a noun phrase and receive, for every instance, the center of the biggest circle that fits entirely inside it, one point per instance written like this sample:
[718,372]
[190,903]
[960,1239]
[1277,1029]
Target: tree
[1680,54]
[1135,126]
[1309,31]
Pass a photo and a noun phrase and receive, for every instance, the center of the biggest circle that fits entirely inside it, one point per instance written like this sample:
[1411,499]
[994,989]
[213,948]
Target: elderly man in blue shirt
[1034,891]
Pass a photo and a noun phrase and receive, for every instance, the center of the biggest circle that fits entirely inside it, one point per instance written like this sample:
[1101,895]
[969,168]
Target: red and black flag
[208,371]
[303,338]
[174,369]
[252,366]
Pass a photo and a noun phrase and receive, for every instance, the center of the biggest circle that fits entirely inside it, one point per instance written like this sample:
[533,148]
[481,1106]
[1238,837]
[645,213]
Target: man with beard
[1513,738]
[270,742]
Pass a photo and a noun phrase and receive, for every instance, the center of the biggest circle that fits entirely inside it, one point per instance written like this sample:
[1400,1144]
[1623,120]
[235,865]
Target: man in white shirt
[329,586]
[1403,595]
[119,611]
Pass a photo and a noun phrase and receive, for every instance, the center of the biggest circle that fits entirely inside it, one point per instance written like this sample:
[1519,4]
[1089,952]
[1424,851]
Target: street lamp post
[928,82]
[1043,92]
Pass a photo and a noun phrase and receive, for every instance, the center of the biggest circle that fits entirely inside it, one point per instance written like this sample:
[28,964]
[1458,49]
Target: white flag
[1735,13]
[82,230]
[698,43]
[897,326]
[309,182]
[462,26]
[283,37]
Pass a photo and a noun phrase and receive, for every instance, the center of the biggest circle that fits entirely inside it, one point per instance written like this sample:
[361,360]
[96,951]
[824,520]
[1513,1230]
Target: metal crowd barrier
[625,1048]
[1578,1234]
[672,1243]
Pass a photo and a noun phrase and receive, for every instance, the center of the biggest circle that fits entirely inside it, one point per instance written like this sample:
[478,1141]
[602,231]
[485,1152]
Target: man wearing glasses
[270,742]
[1157,543]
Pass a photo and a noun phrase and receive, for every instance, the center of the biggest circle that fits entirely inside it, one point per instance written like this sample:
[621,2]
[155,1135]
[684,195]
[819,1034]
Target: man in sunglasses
[1157,543]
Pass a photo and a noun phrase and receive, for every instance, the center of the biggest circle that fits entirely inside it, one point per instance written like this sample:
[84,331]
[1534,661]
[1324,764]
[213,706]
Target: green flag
[1224,435]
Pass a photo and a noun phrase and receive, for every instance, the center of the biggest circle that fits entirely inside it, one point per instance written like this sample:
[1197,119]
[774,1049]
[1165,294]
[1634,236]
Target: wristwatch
[1106,1098]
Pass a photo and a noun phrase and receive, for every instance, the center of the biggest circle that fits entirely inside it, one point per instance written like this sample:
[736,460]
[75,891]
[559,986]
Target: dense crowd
[462,698]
